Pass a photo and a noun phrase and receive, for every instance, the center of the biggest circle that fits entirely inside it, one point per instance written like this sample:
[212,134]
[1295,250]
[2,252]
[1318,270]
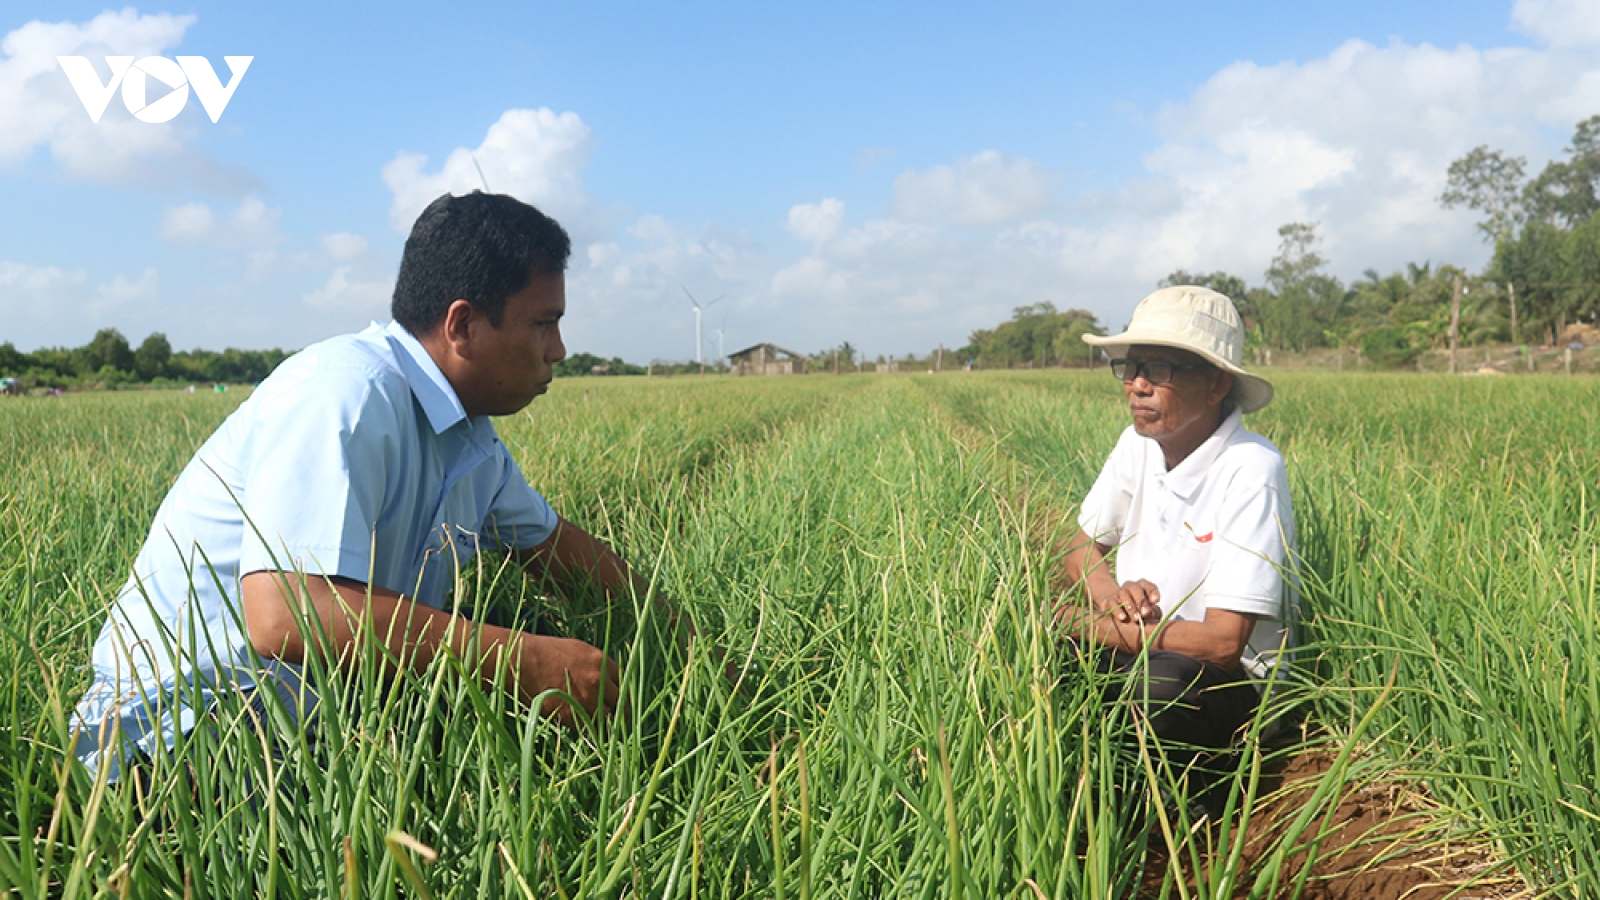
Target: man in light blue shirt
[347,489]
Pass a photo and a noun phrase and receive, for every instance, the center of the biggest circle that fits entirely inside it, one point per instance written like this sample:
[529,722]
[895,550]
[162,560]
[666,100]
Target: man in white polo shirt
[1187,541]
[347,489]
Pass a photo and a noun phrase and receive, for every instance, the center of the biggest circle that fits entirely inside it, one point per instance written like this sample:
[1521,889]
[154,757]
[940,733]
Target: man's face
[515,363]
[1180,409]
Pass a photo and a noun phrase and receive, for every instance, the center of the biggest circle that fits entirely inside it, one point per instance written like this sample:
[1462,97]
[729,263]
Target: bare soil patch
[1386,841]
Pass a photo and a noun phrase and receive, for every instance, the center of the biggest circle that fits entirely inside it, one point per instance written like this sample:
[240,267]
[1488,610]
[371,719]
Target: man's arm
[416,633]
[1127,617]
[1220,638]
[1136,600]
[573,560]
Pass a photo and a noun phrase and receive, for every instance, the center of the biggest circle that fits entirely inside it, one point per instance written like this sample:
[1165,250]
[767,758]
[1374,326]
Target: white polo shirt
[1215,532]
[354,458]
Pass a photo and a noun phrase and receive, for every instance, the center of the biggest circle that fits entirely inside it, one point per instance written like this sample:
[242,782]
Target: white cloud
[1560,22]
[351,295]
[252,225]
[991,188]
[48,306]
[250,233]
[816,221]
[38,106]
[603,254]
[535,155]
[344,246]
[20,279]
[121,291]
[190,223]
[1359,140]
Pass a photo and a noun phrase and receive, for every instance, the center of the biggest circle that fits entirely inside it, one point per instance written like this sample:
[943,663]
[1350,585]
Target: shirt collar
[1186,478]
[428,384]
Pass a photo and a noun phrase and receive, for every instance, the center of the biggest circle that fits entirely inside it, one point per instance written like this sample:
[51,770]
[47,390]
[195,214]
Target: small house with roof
[767,359]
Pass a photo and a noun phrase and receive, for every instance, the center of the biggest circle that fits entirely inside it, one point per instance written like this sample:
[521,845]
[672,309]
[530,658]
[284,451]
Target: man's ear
[1220,386]
[456,329]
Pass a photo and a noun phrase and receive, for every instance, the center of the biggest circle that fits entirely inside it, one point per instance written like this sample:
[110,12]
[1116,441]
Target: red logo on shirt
[1204,538]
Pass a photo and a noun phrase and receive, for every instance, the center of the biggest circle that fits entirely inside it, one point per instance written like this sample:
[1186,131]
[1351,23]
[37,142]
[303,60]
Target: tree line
[1035,336]
[109,361]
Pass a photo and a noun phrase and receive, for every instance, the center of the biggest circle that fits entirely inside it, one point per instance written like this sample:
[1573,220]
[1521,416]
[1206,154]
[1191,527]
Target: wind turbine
[698,310]
[720,325]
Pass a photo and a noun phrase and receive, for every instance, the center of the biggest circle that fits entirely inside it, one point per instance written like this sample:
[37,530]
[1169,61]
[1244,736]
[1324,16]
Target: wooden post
[938,360]
[1455,322]
[835,362]
[1511,288]
[1569,360]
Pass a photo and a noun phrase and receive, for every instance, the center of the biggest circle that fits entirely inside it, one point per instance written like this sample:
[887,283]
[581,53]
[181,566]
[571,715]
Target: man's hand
[570,665]
[1134,601]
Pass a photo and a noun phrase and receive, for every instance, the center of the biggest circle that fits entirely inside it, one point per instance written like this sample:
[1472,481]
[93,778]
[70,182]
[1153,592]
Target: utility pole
[836,360]
[1511,288]
[938,361]
[1455,321]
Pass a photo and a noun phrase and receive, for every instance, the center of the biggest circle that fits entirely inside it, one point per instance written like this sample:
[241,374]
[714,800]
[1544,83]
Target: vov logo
[134,78]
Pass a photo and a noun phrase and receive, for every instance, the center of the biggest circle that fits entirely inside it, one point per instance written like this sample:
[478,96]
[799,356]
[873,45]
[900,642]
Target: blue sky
[894,175]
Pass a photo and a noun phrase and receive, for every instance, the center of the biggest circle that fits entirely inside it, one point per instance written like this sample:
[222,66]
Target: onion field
[877,705]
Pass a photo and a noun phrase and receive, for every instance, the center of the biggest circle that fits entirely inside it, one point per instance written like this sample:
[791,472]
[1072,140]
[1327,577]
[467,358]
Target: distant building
[767,359]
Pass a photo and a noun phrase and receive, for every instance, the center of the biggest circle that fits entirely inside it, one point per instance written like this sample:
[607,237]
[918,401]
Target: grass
[873,554]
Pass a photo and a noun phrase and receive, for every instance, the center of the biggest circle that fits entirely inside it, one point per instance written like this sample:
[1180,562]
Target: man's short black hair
[481,248]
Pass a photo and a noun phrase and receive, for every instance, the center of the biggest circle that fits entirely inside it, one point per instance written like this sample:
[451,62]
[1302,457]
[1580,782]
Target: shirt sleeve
[314,475]
[520,517]
[1105,510]
[1250,553]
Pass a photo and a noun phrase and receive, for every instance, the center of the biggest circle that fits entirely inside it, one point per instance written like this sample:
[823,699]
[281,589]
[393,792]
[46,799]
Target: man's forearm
[1219,639]
[337,611]
[1085,564]
[574,560]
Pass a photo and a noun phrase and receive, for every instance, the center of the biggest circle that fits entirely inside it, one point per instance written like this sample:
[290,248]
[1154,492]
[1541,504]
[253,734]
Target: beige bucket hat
[1196,319]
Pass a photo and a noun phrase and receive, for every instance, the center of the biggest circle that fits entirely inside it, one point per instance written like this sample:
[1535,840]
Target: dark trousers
[1190,704]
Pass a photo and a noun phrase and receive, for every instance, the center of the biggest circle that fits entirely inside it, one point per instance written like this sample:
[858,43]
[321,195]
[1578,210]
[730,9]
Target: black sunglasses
[1155,371]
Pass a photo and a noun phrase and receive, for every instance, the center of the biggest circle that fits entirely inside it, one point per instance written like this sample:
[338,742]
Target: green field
[873,553]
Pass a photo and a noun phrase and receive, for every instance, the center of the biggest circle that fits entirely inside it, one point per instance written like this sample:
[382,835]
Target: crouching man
[1186,539]
[344,492]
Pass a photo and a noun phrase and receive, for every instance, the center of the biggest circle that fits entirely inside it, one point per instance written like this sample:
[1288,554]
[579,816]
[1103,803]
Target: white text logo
[134,78]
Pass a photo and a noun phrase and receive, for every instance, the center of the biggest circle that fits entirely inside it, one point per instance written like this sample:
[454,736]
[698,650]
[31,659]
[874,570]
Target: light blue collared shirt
[355,458]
